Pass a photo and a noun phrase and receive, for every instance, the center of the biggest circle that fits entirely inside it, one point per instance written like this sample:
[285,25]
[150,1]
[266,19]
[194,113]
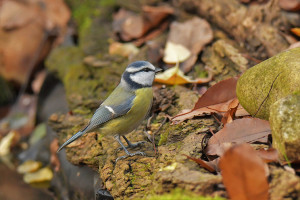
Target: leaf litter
[219,98]
[244,173]
[243,130]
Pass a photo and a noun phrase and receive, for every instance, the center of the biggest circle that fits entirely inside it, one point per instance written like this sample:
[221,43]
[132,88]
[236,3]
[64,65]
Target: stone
[284,121]
[281,72]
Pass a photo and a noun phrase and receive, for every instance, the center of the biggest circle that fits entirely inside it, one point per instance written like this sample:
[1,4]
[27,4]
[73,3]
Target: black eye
[147,70]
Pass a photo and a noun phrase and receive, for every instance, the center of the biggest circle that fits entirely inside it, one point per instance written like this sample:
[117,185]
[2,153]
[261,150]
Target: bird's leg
[130,145]
[126,151]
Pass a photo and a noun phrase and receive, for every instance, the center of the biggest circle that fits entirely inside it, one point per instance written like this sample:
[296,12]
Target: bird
[125,108]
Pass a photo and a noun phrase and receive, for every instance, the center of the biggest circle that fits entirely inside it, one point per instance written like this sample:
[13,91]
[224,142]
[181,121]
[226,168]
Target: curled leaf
[174,76]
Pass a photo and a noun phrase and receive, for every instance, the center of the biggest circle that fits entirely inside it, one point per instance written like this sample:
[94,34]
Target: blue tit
[125,108]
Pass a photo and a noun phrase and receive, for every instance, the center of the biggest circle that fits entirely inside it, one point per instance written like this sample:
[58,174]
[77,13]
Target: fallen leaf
[152,34]
[239,131]
[290,5]
[42,175]
[175,53]
[296,31]
[8,16]
[174,76]
[130,25]
[269,155]
[220,108]
[189,38]
[294,45]
[217,99]
[123,49]
[244,174]
[6,142]
[230,114]
[221,92]
[19,53]
[207,165]
[29,166]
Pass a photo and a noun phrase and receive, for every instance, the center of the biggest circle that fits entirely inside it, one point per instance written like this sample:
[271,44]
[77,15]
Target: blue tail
[72,139]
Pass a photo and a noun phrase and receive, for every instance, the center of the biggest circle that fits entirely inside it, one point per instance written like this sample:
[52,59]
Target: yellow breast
[122,125]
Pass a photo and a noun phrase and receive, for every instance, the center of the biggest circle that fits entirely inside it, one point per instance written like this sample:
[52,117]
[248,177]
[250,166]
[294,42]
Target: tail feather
[72,139]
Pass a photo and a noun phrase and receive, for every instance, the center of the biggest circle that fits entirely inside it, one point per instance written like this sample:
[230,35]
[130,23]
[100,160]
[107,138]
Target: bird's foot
[130,155]
[133,145]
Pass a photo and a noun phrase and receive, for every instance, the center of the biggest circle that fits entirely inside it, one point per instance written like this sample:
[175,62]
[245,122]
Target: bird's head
[139,74]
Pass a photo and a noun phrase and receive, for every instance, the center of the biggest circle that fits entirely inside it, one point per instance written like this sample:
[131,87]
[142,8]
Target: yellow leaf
[44,174]
[6,142]
[174,76]
[29,166]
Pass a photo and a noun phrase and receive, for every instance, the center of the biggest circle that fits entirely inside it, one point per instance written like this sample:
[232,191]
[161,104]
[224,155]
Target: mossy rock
[253,87]
[284,119]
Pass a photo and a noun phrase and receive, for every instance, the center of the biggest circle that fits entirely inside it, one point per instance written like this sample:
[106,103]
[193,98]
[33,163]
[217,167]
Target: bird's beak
[157,70]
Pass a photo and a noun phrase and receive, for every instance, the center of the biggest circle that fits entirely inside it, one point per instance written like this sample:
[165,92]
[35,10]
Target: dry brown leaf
[230,114]
[220,108]
[207,165]
[193,35]
[294,45]
[244,174]
[174,76]
[290,5]
[19,52]
[130,25]
[217,99]
[221,92]
[10,18]
[239,131]
[269,155]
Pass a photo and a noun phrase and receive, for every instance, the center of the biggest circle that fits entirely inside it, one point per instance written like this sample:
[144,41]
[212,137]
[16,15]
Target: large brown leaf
[244,174]
[191,35]
[217,99]
[239,131]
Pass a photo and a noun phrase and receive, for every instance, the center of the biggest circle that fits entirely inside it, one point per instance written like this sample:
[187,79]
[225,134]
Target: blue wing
[108,112]
[116,105]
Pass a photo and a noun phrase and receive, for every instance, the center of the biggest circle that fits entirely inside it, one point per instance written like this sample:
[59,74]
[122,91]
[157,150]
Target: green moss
[179,194]
[163,138]
[61,58]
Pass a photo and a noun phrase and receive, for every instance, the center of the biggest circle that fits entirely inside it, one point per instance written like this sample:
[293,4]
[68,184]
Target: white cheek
[143,78]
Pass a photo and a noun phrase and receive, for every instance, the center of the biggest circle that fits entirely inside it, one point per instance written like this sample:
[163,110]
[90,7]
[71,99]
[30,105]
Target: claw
[130,145]
[130,155]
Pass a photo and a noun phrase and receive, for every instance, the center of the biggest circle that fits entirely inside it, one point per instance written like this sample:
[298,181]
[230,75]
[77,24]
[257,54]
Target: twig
[267,95]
